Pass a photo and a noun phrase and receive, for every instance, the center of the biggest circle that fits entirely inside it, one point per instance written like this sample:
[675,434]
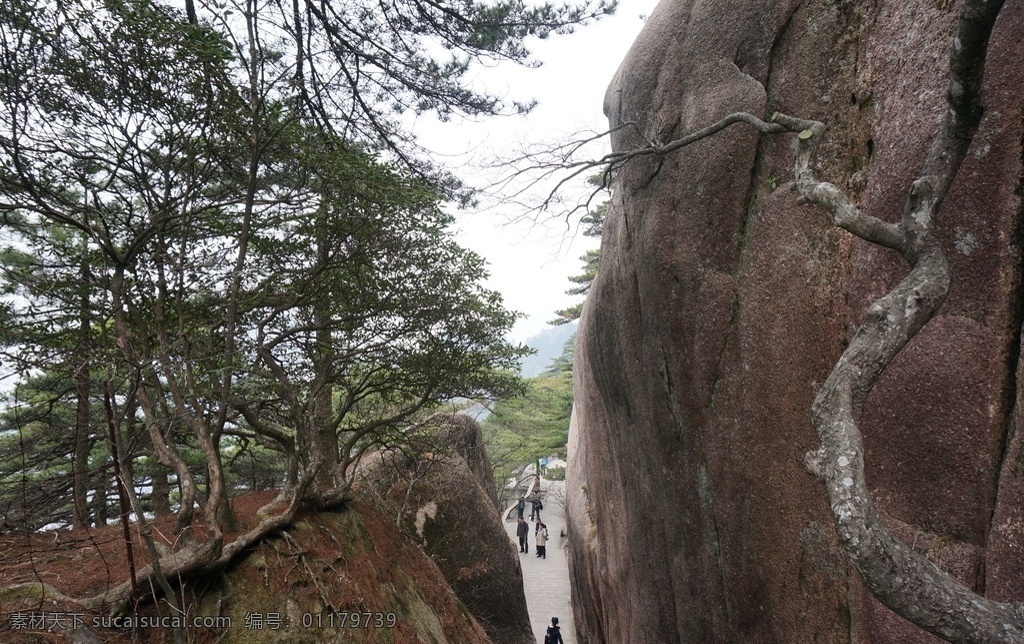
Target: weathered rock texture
[467,440]
[331,566]
[441,502]
[306,585]
[721,304]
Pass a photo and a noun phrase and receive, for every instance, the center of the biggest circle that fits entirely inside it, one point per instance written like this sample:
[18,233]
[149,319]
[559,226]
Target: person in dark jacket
[554,634]
[523,531]
[535,506]
[521,506]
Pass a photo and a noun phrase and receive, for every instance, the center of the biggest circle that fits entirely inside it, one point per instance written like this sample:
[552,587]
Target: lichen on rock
[722,301]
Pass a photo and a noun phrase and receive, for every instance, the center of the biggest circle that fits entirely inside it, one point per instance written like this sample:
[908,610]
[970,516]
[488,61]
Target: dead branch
[905,581]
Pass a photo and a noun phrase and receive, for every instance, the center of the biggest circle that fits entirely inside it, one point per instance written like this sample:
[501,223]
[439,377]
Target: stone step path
[546,581]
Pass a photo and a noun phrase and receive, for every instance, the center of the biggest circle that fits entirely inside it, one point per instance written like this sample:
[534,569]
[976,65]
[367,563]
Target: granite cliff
[722,303]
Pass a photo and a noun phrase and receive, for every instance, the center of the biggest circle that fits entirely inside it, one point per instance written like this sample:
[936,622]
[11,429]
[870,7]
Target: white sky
[530,263]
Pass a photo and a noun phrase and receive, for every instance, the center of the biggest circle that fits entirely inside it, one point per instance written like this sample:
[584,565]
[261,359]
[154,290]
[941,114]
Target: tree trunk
[83,447]
[161,495]
[83,438]
[101,483]
[317,437]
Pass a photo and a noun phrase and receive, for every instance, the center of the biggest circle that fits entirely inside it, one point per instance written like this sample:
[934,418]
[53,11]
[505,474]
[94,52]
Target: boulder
[463,434]
[346,576]
[438,501]
[722,303]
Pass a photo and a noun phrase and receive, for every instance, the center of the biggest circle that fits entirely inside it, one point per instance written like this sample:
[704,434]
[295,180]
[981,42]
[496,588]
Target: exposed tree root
[194,559]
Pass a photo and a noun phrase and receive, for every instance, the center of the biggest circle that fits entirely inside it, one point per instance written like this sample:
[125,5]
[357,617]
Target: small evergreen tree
[593,224]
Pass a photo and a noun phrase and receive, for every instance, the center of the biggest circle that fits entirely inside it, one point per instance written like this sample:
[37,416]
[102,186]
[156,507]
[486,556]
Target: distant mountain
[548,344]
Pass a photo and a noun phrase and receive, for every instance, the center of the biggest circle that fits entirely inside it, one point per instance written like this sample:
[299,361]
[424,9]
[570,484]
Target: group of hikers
[540,531]
[540,535]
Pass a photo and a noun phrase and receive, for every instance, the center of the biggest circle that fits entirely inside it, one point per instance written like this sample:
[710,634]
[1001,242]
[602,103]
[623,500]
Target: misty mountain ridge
[548,344]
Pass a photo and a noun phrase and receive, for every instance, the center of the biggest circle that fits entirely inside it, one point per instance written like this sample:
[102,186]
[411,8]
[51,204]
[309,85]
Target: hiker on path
[542,540]
[535,506]
[521,506]
[523,531]
[554,634]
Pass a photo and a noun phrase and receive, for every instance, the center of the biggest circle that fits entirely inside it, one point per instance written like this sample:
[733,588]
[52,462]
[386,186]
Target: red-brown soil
[311,566]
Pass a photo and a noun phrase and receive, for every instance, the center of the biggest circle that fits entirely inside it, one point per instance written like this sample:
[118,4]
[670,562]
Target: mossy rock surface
[346,576]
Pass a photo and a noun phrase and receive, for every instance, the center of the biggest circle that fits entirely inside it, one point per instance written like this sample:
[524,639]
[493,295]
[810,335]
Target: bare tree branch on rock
[903,580]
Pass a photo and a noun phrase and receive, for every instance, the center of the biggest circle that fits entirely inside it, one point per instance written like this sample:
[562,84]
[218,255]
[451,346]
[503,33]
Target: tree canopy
[534,424]
[221,248]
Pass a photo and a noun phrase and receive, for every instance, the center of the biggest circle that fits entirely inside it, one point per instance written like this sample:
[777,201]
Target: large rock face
[722,303]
